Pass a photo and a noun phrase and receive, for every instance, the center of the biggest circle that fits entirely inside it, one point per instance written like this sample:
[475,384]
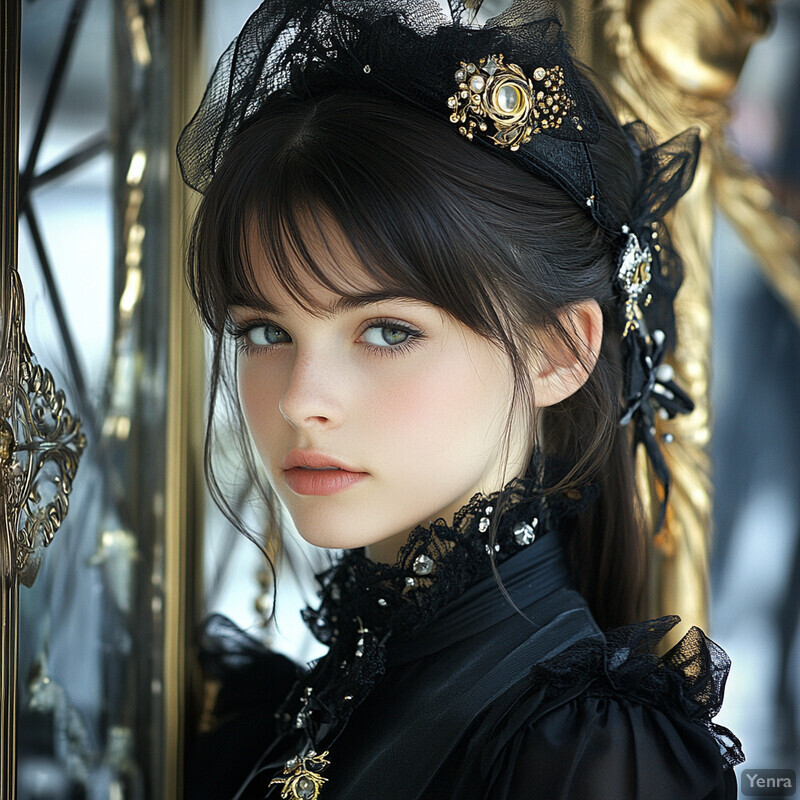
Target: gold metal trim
[503,94]
[185,413]
[10,21]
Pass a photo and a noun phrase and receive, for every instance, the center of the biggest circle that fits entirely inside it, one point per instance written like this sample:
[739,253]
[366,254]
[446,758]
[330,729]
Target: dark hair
[448,222]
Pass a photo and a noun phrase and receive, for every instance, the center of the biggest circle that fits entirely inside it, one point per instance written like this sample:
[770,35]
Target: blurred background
[97,709]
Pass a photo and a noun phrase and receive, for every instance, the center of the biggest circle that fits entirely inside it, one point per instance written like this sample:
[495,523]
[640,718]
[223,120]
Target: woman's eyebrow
[344,304]
[353,302]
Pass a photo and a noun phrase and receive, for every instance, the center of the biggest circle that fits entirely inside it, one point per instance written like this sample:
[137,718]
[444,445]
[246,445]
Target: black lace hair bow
[667,171]
[510,86]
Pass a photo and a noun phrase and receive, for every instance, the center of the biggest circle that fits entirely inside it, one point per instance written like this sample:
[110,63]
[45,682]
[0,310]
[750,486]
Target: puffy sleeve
[244,683]
[614,721]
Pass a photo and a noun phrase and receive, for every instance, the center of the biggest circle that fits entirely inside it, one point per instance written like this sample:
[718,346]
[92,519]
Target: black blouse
[470,698]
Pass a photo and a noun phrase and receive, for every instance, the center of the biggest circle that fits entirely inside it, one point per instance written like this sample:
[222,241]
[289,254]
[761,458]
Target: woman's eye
[267,335]
[385,335]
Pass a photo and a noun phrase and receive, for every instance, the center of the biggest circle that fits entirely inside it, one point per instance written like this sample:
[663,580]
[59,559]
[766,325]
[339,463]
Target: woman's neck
[386,550]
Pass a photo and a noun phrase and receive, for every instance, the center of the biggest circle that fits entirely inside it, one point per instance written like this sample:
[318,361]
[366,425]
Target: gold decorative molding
[674,64]
[186,390]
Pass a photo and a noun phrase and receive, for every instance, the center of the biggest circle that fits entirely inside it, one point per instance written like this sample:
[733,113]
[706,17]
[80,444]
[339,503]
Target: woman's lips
[309,481]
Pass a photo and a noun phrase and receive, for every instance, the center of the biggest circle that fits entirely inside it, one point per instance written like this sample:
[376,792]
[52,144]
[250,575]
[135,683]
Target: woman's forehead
[316,264]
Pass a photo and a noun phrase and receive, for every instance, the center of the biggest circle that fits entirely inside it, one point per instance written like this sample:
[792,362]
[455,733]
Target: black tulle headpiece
[510,86]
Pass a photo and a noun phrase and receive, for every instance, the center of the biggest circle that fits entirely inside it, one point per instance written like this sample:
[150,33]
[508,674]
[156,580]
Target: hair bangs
[331,218]
[305,247]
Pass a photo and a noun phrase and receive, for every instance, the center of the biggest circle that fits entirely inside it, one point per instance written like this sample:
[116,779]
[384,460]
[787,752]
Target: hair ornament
[411,50]
[651,391]
[649,385]
[519,106]
[633,278]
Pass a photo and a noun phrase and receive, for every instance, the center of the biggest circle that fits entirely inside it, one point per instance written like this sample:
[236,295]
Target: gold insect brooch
[301,779]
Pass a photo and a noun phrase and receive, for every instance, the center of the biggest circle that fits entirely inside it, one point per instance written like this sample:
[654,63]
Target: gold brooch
[633,277]
[301,779]
[518,106]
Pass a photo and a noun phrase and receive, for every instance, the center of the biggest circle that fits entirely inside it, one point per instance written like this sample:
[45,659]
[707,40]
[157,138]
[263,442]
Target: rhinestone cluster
[360,645]
[633,277]
[483,523]
[483,526]
[517,105]
[302,716]
[423,564]
[525,532]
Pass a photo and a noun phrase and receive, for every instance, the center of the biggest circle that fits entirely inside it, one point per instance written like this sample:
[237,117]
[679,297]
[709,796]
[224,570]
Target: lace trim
[435,563]
[364,602]
[688,680]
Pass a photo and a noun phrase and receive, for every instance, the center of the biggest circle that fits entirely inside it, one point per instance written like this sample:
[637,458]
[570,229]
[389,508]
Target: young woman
[436,267]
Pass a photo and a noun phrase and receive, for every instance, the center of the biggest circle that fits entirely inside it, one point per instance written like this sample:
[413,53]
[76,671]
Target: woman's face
[373,417]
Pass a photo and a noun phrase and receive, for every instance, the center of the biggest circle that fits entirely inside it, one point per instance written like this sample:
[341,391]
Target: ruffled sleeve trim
[688,681]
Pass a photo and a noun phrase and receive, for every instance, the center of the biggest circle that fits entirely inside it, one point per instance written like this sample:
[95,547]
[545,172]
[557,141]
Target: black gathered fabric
[449,698]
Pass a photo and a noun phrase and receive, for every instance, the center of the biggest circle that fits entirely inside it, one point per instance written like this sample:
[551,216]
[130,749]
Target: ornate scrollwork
[41,443]
[517,105]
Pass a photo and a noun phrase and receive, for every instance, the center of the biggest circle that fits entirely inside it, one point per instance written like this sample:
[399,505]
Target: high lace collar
[365,604]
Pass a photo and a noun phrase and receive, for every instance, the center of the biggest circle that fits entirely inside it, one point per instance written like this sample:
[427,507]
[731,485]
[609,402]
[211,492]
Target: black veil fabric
[407,50]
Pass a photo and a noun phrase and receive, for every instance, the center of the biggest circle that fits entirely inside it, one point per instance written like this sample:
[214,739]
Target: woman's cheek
[259,394]
[421,408]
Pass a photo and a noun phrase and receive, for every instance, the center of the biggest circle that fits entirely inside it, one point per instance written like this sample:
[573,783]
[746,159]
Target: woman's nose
[312,397]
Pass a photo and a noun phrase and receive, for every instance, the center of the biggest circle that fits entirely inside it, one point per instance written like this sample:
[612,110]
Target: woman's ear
[562,367]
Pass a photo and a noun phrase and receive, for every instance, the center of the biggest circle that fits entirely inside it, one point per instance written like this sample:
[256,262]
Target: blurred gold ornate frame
[674,64]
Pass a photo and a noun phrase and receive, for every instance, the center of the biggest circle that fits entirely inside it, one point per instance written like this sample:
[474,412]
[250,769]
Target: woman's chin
[351,531]
[335,540]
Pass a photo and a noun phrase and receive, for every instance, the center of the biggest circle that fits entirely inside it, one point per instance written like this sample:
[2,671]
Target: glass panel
[62,694]
[94,261]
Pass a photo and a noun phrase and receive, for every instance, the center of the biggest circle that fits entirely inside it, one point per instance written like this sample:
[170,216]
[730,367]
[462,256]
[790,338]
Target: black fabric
[366,606]
[595,748]
[249,683]
[603,717]
[442,694]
